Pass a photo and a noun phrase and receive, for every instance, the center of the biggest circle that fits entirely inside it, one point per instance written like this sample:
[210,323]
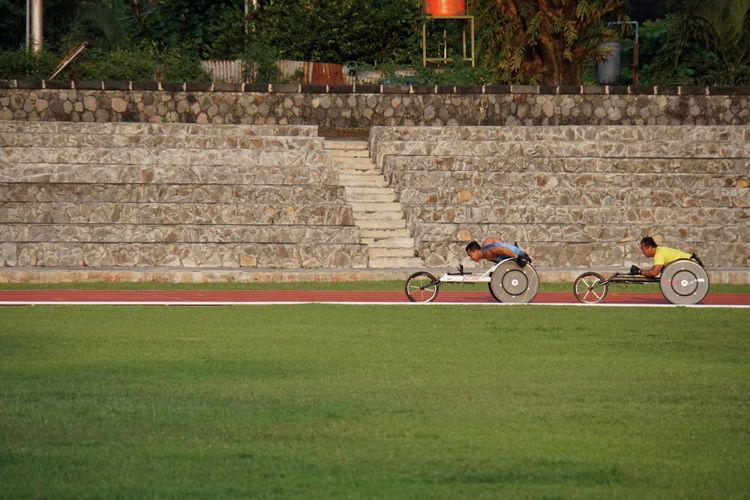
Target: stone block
[341,89]
[172,86]
[227,87]
[497,89]
[87,85]
[288,88]
[366,89]
[396,89]
[201,87]
[314,89]
[147,85]
[28,84]
[58,84]
[116,85]
[423,89]
[469,89]
[688,90]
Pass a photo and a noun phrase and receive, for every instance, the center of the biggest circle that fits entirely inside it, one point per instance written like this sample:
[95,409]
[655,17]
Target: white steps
[375,207]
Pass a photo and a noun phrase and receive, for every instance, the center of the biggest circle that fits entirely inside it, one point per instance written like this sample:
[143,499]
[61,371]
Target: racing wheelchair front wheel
[514,284]
[684,282]
[590,288]
[421,287]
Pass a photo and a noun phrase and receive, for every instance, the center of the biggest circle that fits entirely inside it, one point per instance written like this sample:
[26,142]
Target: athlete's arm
[505,252]
[653,272]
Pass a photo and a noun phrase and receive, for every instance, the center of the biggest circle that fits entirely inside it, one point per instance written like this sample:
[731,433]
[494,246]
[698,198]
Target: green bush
[20,65]
[142,64]
[455,74]
[119,64]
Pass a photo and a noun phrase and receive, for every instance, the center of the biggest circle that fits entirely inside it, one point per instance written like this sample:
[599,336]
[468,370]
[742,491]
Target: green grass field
[327,401]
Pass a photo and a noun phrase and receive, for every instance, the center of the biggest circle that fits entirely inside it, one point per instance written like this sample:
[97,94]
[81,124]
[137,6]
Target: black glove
[635,270]
[522,260]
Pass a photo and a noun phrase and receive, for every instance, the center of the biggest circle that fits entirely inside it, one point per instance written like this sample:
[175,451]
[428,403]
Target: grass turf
[329,401]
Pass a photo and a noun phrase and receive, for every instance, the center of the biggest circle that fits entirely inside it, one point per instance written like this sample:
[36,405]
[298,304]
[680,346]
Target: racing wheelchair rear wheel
[684,282]
[421,287]
[590,288]
[513,283]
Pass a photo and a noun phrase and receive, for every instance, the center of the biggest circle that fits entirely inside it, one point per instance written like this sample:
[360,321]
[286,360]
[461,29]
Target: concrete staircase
[376,209]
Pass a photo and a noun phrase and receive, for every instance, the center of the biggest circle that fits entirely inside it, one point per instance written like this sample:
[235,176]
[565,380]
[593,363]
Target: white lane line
[281,303]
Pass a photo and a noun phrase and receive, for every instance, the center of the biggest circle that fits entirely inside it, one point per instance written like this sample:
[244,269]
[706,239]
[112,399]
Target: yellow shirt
[665,255]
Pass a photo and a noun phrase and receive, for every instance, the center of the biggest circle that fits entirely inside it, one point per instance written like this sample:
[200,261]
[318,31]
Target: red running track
[10,297]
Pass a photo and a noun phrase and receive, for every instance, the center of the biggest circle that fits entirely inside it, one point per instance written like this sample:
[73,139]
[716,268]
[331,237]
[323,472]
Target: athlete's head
[648,246]
[474,251]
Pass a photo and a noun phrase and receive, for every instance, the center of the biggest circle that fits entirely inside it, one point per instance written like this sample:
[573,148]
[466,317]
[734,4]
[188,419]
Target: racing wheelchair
[508,281]
[683,282]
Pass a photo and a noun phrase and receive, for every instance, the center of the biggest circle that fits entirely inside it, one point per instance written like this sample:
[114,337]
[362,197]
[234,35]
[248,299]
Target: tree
[340,30]
[542,41]
[710,43]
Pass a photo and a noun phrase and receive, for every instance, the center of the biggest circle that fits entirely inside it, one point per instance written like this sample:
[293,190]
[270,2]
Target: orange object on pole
[441,8]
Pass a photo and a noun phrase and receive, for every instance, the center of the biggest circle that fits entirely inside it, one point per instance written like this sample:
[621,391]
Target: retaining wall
[364,106]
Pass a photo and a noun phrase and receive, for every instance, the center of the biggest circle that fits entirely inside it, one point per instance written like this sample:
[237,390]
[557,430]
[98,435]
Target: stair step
[344,155]
[346,145]
[401,253]
[355,163]
[361,173]
[381,224]
[390,243]
[360,207]
[384,233]
[362,180]
[372,198]
[363,216]
[372,191]
[395,262]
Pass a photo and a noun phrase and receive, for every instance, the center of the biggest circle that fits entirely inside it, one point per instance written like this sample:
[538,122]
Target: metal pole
[36,26]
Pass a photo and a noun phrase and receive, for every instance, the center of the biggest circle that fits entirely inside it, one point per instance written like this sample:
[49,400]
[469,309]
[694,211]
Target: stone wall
[364,106]
[136,195]
[573,196]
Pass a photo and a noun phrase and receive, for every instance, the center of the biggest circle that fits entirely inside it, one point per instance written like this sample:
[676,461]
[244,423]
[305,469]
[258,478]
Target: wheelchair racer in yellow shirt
[662,256]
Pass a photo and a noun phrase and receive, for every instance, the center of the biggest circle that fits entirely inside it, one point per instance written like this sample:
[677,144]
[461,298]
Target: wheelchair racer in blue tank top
[496,251]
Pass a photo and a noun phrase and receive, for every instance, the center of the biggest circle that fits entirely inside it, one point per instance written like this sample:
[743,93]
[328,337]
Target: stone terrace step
[169,174]
[396,262]
[563,149]
[594,197]
[231,255]
[344,145]
[394,164]
[533,180]
[172,193]
[381,224]
[584,214]
[147,156]
[146,129]
[614,133]
[67,212]
[180,233]
[582,233]
[619,255]
[266,143]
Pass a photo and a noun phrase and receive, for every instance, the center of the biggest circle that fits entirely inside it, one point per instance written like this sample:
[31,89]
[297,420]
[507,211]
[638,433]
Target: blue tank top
[500,258]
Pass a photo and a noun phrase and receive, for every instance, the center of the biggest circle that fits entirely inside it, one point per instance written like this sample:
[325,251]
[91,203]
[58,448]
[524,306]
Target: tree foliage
[341,30]
[543,41]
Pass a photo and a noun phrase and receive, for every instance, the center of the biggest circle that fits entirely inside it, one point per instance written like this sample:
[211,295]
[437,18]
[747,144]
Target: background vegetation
[689,42]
